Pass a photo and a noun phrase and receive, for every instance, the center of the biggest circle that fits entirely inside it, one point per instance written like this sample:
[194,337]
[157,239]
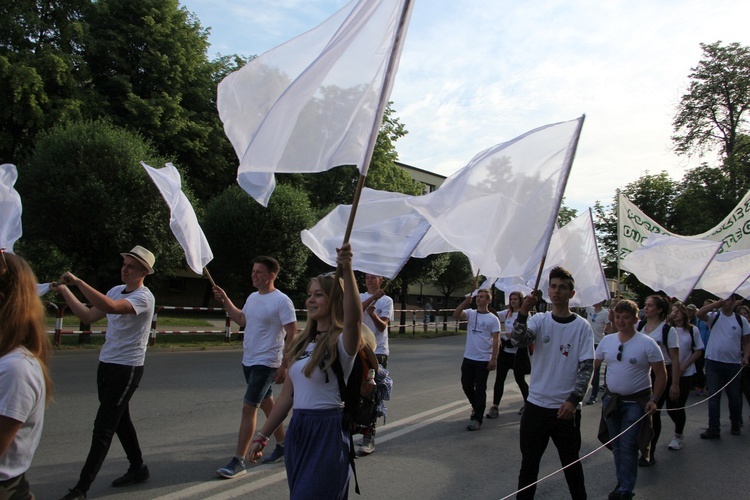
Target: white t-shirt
[558,348]
[507,321]
[22,398]
[633,372]
[597,320]
[265,317]
[314,393]
[127,334]
[383,309]
[479,330]
[725,342]
[657,335]
[687,348]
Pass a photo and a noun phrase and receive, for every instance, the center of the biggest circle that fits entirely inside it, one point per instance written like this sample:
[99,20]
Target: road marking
[384,435]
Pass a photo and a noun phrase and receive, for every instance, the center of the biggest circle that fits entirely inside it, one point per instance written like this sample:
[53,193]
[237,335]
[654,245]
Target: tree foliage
[712,114]
[239,229]
[41,70]
[86,199]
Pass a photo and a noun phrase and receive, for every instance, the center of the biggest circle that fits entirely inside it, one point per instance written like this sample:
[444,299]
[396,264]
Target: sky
[475,73]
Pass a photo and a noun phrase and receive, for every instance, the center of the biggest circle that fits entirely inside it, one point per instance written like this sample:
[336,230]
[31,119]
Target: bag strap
[339,371]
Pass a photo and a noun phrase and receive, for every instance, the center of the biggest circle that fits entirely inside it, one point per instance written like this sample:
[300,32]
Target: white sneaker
[676,444]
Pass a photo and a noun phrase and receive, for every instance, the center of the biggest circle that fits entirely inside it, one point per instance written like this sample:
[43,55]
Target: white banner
[183,221]
[312,103]
[672,264]
[500,209]
[10,207]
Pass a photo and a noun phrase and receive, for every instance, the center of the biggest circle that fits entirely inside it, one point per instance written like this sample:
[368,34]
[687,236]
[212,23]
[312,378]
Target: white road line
[384,435]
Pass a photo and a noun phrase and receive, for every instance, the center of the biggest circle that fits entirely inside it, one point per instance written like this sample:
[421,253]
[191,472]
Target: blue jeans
[718,374]
[259,379]
[625,449]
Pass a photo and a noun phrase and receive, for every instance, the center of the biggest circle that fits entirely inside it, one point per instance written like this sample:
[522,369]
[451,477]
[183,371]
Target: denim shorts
[259,379]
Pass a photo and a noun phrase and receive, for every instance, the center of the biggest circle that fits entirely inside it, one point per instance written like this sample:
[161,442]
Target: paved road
[187,412]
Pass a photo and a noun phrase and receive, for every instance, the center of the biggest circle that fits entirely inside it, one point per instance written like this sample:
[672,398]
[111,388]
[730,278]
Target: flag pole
[382,103]
[564,183]
[617,257]
[208,275]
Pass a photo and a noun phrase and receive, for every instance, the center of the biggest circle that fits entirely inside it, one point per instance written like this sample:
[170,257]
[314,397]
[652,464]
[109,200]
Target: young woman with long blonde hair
[25,385]
[317,447]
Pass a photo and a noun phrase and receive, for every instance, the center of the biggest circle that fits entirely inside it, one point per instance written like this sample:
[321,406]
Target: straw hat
[143,256]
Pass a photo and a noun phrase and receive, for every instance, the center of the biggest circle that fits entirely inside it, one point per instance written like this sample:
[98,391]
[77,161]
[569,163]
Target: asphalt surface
[187,412]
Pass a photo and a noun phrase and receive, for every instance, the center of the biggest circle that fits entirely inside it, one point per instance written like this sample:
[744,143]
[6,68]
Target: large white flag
[314,102]
[183,221]
[10,207]
[574,247]
[672,264]
[634,227]
[384,235]
[500,209]
[726,273]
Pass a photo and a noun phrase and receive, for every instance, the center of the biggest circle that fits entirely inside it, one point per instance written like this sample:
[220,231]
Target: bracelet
[654,399]
[266,438]
[261,442]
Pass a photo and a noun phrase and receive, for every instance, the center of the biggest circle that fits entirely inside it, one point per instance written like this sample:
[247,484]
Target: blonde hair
[325,351]
[22,313]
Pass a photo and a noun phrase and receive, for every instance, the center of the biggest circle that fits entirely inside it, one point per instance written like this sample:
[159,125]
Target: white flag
[10,207]
[671,263]
[500,209]
[183,221]
[314,102]
[574,247]
[385,233]
[726,273]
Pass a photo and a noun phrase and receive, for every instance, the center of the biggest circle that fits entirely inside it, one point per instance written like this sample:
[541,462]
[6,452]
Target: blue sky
[475,73]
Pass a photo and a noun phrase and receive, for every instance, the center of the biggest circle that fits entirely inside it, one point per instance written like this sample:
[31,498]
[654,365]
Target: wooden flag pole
[208,275]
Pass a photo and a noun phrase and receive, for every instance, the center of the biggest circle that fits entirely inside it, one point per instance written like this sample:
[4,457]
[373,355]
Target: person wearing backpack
[727,352]
[377,314]
[480,355]
[655,326]
[317,445]
[691,349]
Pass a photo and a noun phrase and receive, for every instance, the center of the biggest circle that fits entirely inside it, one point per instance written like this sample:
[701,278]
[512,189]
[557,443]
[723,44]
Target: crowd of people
[653,359]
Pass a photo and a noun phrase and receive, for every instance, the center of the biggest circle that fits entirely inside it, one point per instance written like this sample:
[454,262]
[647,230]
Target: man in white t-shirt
[727,351]
[597,316]
[270,326]
[377,310]
[480,355]
[561,370]
[129,309]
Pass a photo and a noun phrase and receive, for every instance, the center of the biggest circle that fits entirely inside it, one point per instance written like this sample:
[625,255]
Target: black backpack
[664,331]
[359,411]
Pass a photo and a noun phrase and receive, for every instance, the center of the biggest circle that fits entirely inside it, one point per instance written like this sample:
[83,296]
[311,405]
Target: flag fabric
[634,227]
[726,273]
[183,221]
[672,264]
[10,207]
[384,235]
[314,102]
[574,247]
[500,209]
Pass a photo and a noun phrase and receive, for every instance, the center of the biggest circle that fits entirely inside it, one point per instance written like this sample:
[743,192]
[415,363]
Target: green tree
[566,214]
[86,199]
[41,70]
[238,229]
[456,275]
[150,73]
[712,113]
[424,270]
